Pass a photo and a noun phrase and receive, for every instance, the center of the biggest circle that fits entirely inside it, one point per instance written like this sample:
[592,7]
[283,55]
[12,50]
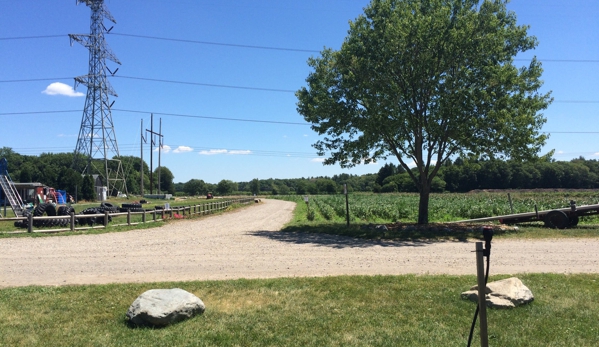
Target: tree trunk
[425,191]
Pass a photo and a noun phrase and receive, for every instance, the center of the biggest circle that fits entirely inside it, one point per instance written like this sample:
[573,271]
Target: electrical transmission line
[97,144]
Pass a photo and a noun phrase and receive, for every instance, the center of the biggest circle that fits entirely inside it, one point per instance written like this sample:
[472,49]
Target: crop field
[442,207]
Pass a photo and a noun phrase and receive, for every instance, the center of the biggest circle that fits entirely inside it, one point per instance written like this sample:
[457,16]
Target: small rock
[507,293]
[161,307]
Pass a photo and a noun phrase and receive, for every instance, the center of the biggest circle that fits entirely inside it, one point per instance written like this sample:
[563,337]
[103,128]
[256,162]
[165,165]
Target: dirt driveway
[246,244]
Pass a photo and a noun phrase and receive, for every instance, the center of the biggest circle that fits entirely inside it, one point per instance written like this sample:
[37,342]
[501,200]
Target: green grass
[331,311]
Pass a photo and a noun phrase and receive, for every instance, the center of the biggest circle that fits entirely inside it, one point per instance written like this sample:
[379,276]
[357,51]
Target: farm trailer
[558,218]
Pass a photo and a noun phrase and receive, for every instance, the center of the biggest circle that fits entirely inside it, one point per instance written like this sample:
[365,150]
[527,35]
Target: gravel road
[246,243]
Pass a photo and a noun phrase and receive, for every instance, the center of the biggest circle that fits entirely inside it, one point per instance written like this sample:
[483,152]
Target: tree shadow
[341,236]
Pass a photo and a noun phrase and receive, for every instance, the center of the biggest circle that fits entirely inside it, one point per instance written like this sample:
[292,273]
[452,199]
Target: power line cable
[229,119]
[163,114]
[207,84]
[219,43]
[261,47]
[231,86]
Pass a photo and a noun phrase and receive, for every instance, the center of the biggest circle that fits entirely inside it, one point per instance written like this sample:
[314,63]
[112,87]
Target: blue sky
[214,149]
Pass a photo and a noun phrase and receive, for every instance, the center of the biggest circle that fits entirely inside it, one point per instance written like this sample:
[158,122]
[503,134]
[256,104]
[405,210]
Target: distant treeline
[461,175]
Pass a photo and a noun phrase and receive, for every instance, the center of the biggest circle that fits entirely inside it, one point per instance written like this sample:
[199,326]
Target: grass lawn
[330,311]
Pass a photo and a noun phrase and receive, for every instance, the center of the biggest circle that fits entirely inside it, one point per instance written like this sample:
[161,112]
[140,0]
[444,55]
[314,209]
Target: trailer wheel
[574,221]
[557,219]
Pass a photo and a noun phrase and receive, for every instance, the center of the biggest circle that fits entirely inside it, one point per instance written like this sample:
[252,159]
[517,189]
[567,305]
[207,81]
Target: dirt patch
[247,243]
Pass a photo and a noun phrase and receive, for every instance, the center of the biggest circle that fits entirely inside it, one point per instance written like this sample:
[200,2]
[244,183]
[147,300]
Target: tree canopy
[424,81]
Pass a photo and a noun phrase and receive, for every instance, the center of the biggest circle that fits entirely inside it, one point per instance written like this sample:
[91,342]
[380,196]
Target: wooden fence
[147,216]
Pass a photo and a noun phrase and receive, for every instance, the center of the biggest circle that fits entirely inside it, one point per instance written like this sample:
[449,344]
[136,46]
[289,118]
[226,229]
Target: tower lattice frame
[97,145]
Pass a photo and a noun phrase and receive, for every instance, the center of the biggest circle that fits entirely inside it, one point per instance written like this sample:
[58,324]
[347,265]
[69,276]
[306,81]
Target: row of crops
[442,207]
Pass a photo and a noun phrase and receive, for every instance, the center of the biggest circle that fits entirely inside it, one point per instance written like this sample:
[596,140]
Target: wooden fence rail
[156,215]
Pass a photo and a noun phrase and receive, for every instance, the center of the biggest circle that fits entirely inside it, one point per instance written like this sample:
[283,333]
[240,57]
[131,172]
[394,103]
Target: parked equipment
[559,218]
[10,192]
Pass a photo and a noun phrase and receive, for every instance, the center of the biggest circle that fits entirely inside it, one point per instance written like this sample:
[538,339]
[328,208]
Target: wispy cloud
[182,149]
[165,149]
[317,160]
[224,151]
[58,88]
[246,152]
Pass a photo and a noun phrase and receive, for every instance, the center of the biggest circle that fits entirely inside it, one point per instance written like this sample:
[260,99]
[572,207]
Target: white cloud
[165,149]
[213,152]
[305,135]
[597,153]
[317,160]
[58,88]
[560,152]
[237,152]
[224,151]
[183,149]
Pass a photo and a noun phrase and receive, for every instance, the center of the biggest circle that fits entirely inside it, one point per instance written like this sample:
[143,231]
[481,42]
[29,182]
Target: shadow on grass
[341,236]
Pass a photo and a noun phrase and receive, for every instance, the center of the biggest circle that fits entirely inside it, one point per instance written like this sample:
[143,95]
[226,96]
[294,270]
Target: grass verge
[300,223]
[405,310]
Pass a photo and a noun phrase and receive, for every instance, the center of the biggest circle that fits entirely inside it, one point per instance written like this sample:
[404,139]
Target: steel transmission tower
[97,147]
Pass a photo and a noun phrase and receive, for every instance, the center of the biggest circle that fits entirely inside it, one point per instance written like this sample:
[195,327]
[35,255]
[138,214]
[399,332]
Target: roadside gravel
[245,243]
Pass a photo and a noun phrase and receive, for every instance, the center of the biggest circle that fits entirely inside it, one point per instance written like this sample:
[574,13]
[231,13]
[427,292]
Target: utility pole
[143,140]
[152,143]
[96,144]
[159,151]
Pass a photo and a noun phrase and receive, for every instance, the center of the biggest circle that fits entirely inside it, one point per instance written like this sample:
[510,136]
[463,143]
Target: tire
[107,204]
[65,210]
[132,205]
[110,209]
[574,221]
[91,220]
[44,209]
[556,220]
[41,209]
[132,209]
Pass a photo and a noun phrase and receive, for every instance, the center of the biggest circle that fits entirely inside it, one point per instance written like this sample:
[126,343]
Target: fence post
[72,222]
[154,215]
[30,223]
[129,217]
[482,300]
[105,219]
[143,217]
[162,214]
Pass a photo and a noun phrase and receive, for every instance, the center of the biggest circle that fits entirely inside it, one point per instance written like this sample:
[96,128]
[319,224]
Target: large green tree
[426,80]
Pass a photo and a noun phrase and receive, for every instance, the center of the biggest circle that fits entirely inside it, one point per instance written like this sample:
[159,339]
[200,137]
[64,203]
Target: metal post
[72,221]
[346,204]
[30,223]
[511,205]
[141,166]
[482,302]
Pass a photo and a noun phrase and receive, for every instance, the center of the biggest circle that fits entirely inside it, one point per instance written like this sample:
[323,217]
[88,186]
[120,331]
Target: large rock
[161,307]
[507,293]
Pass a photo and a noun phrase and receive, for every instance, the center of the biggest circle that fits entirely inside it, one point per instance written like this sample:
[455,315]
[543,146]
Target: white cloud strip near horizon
[58,88]
[183,149]
[224,151]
